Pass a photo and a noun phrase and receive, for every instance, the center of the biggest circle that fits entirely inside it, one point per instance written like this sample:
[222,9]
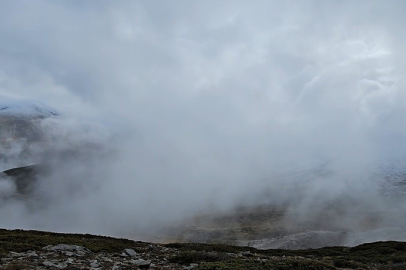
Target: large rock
[65,247]
[130,252]
[142,264]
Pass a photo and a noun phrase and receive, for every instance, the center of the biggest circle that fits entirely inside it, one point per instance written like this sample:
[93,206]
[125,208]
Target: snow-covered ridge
[25,108]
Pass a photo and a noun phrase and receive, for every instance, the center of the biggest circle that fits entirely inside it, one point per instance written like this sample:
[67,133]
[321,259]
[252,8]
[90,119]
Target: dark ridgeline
[25,177]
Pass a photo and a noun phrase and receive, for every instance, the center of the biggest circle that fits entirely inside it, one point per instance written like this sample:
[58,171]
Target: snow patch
[25,108]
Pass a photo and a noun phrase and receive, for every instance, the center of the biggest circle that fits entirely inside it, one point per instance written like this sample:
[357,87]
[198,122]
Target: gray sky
[211,95]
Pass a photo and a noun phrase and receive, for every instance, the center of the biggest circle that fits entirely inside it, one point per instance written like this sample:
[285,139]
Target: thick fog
[174,108]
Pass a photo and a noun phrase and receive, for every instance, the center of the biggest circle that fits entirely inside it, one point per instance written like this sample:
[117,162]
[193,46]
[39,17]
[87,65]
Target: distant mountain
[24,177]
[20,119]
[22,133]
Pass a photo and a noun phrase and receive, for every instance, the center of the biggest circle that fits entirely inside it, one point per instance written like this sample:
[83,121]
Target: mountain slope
[36,250]
[20,119]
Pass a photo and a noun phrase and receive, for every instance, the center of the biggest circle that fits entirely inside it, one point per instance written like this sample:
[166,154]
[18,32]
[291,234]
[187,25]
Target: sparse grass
[210,247]
[284,264]
[188,257]
[20,241]
[341,263]
[16,266]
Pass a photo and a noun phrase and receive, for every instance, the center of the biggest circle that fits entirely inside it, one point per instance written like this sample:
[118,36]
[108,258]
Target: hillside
[44,250]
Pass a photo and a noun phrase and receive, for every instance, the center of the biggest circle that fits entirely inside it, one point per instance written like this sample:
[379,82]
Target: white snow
[25,108]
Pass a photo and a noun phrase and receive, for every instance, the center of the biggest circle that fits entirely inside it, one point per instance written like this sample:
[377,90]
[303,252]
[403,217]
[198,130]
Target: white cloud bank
[202,101]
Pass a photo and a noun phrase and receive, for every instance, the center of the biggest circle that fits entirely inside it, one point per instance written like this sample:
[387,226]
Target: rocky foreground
[43,250]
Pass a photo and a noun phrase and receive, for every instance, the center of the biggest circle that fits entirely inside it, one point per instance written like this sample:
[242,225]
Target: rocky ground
[44,250]
[72,257]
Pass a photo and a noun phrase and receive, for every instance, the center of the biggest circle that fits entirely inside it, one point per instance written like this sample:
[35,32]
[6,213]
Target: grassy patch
[282,264]
[16,266]
[341,263]
[188,257]
[20,241]
[209,247]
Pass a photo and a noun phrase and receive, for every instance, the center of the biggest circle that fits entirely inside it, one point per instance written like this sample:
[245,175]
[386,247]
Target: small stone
[94,264]
[130,252]
[57,265]
[80,253]
[142,264]
[106,259]
[116,266]
[32,254]
[17,254]
[246,254]
[191,266]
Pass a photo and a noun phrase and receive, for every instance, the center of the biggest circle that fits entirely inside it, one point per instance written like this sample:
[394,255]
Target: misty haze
[274,124]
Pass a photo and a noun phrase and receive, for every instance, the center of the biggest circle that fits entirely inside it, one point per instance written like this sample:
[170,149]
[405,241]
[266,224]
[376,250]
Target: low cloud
[169,110]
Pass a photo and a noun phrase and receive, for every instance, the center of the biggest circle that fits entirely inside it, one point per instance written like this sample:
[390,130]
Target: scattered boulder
[130,252]
[94,264]
[74,257]
[55,264]
[64,247]
[142,264]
